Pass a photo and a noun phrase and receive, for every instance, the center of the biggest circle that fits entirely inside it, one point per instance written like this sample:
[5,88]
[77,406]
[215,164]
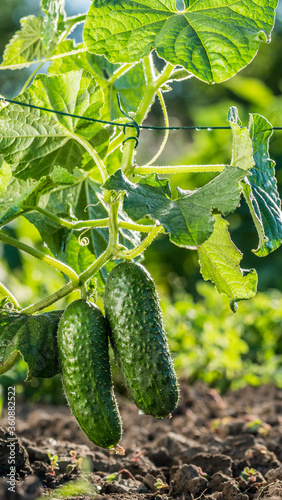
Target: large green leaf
[189,218]
[212,39]
[220,262]
[261,191]
[33,141]
[130,85]
[34,337]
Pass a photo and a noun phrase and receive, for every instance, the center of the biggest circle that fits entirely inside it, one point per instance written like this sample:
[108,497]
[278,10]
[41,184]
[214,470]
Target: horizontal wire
[127,124]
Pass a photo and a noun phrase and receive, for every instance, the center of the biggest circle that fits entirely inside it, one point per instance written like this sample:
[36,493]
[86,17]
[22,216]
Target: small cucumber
[138,339]
[86,374]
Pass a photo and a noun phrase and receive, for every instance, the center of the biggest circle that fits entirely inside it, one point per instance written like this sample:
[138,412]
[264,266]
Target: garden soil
[213,447]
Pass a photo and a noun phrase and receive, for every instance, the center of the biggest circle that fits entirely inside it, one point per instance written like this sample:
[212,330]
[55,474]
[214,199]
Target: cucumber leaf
[26,45]
[212,39]
[54,11]
[33,141]
[220,262]
[242,147]
[5,176]
[188,219]
[130,86]
[34,337]
[37,36]
[260,189]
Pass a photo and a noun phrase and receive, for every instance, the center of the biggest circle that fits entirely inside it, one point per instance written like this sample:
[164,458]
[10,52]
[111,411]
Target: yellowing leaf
[220,262]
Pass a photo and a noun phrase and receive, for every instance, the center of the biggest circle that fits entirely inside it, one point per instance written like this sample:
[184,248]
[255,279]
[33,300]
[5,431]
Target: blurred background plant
[208,341]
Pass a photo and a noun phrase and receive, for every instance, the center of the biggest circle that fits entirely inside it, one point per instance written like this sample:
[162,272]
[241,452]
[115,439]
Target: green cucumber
[139,340]
[85,366]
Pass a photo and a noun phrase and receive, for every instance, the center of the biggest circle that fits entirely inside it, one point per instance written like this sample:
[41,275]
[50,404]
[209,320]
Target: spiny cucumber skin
[139,340]
[86,373]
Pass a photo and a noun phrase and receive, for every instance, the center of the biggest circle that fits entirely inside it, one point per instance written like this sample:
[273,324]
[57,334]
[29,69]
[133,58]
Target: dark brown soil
[214,448]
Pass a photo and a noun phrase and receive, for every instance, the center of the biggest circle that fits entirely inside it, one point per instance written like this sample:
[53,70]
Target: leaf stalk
[47,259]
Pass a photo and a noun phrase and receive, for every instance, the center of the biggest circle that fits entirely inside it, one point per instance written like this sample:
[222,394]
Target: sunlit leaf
[261,190]
[220,262]
[212,39]
[27,43]
[34,141]
[130,86]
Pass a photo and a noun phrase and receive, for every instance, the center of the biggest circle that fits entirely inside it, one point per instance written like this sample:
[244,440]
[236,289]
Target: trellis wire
[132,123]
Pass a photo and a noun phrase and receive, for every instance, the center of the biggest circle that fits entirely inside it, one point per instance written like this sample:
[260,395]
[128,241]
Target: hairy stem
[131,254]
[94,268]
[70,225]
[120,72]
[109,252]
[178,169]
[71,21]
[141,228]
[13,217]
[51,299]
[115,143]
[31,77]
[141,113]
[148,68]
[11,361]
[113,225]
[4,291]
[59,266]
[93,153]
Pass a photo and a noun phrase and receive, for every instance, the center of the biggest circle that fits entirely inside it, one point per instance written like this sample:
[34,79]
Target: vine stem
[142,111]
[4,291]
[70,287]
[31,76]
[120,72]
[71,21]
[135,227]
[178,169]
[11,361]
[48,301]
[70,225]
[148,68]
[59,266]
[90,271]
[93,153]
[13,217]
[116,142]
[131,254]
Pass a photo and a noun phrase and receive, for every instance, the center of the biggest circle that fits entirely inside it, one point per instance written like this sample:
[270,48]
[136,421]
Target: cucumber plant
[68,146]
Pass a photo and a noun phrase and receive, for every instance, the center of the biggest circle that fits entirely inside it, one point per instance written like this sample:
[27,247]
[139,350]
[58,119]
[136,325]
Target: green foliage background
[207,340]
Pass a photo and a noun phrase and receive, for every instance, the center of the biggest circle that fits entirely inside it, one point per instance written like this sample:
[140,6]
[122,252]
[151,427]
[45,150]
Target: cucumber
[86,374]
[139,340]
